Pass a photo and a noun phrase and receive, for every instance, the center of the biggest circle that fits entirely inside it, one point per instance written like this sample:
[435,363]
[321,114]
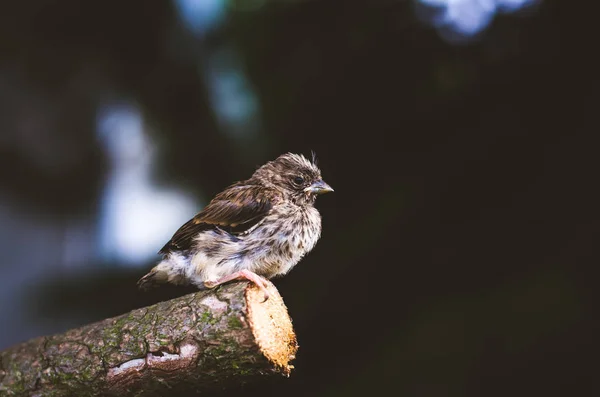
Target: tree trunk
[199,342]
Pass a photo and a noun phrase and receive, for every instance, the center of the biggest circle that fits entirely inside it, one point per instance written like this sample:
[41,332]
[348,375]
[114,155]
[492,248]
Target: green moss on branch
[200,341]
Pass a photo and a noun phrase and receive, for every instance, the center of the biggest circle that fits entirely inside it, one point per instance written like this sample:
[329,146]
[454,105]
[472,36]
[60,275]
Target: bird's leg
[241,275]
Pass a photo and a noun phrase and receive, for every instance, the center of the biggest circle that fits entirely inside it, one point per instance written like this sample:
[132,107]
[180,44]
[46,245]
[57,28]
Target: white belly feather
[272,248]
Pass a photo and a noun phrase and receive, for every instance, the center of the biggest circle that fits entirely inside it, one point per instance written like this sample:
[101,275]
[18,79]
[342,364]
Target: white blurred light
[137,216]
[466,18]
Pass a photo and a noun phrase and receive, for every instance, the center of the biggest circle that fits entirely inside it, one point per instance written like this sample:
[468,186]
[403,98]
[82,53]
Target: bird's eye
[298,180]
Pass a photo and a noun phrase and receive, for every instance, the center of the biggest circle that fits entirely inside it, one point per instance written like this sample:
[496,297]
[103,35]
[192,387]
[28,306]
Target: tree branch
[202,341]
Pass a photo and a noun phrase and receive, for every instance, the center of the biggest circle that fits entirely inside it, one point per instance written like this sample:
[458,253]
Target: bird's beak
[319,187]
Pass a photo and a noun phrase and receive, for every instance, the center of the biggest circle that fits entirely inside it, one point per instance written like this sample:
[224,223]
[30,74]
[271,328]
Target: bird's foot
[242,275]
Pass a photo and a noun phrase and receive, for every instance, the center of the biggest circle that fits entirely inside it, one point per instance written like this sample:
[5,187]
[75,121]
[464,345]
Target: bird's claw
[259,281]
[265,293]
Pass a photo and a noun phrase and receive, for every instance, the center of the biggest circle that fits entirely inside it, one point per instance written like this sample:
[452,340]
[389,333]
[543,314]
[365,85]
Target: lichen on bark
[199,341]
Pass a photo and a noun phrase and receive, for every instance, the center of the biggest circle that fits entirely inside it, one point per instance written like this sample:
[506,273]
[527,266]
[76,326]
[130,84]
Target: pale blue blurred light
[468,17]
[201,16]
[513,5]
[231,96]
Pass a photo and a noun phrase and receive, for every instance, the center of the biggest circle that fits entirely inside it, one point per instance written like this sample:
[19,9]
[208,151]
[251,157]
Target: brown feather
[236,209]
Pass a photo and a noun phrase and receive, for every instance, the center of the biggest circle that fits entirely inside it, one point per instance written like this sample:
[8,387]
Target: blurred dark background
[457,256]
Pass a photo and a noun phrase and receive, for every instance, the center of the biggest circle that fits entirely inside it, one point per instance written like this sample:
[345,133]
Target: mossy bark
[199,342]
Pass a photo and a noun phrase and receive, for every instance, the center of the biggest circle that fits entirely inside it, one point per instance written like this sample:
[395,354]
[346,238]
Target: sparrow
[255,229]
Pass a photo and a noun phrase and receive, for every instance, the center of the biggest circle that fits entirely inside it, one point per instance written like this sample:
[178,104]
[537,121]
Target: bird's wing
[235,210]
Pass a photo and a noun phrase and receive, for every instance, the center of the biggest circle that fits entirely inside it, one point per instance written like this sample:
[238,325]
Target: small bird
[255,229]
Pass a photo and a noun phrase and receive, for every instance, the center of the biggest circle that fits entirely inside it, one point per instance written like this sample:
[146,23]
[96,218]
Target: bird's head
[295,175]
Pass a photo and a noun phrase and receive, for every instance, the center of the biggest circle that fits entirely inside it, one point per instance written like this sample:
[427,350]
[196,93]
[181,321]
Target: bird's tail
[161,274]
[158,275]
